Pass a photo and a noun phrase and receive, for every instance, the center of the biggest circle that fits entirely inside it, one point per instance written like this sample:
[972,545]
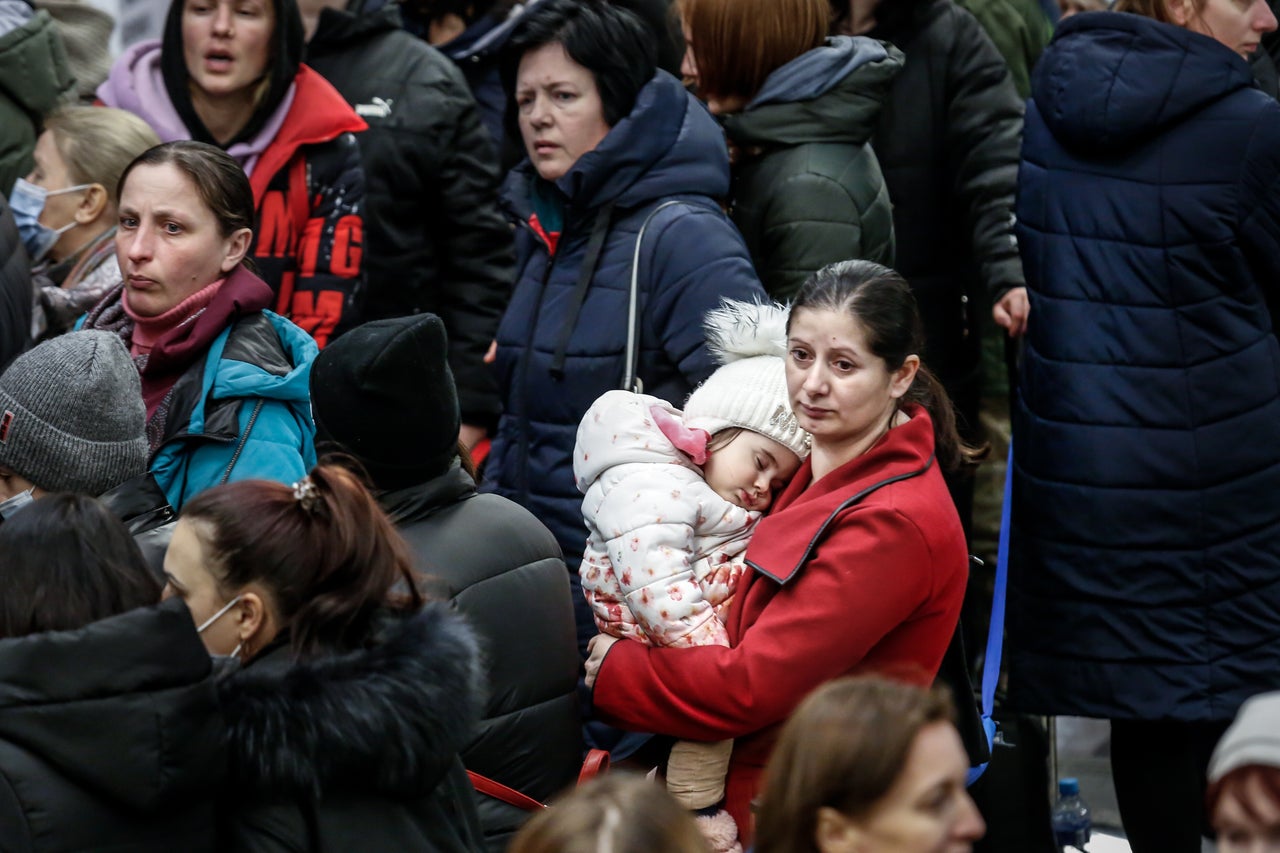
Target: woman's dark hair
[621,812]
[330,557]
[423,12]
[67,562]
[219,180]
[881,302]
[843,748]
[610,42]
[288,43]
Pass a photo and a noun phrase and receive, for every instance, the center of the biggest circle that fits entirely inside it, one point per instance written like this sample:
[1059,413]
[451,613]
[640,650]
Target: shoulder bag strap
[995,634]
[995,637]
[630,380]
[499,791]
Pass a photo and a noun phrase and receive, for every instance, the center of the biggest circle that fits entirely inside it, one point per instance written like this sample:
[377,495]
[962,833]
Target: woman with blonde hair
[618,813]
[66,209]
[867,764]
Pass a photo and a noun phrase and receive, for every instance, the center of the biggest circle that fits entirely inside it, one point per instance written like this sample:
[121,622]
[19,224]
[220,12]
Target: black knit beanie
[384,391]
[287,46]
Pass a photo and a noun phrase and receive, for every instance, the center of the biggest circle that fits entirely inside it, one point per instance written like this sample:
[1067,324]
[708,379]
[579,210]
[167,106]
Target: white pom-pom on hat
[749,390]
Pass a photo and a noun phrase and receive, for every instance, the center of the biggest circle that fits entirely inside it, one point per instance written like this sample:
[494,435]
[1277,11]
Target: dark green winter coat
[807,189]
[34,78]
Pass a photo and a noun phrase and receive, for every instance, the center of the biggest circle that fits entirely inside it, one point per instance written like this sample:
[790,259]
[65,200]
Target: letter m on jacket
[276,227]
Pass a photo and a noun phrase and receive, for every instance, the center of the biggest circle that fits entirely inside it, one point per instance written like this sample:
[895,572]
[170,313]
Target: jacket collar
[338,28]
[784,540]
[668,145]
[318,114]
[388,719]
[418,502]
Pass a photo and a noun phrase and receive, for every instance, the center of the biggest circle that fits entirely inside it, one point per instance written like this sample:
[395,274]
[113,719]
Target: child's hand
[721,581]
[598,647]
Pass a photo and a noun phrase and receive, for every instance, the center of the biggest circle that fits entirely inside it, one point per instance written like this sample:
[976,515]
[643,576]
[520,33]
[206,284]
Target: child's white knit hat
[749,390]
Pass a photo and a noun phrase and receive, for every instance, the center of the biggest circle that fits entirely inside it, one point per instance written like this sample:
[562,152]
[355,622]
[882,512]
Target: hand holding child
[598,647]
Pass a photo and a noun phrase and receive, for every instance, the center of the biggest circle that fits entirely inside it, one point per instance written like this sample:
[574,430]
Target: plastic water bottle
[1071,822]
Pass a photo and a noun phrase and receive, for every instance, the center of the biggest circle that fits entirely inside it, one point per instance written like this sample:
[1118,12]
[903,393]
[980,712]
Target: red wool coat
[831,591]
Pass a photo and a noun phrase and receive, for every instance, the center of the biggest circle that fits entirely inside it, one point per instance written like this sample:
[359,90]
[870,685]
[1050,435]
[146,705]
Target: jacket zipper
[522,378]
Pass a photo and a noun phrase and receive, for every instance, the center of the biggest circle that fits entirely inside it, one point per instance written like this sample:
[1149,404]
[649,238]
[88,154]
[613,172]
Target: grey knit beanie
[71,415]
[1254,738]
[750,389]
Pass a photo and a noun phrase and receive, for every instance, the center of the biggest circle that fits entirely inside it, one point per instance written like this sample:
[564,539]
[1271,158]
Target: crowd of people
[404,402]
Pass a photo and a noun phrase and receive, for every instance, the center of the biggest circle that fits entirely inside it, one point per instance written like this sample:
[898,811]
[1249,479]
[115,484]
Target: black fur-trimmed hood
[387,719]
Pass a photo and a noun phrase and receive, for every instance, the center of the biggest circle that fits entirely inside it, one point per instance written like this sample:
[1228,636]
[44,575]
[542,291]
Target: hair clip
[306,493]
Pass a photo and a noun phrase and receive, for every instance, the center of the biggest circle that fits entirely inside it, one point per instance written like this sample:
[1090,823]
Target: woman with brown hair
[867,764]
[860,565]
[1244,780]
[224,381]
[230,73]
[353,697]
[799,110]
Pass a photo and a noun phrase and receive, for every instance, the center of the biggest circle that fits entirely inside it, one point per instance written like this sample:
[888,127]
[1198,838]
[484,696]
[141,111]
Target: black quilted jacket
[435,240]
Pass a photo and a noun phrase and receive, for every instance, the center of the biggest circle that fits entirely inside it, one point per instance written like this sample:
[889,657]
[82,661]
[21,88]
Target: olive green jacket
[807,188]
[34,78]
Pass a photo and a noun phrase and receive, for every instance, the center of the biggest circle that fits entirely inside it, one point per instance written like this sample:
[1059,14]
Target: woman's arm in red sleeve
[871,575]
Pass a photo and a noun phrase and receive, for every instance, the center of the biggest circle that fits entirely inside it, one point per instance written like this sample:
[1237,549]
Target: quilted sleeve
[693,258]
[984,138]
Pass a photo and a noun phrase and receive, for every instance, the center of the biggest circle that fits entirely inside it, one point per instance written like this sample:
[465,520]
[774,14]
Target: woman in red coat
[860,567]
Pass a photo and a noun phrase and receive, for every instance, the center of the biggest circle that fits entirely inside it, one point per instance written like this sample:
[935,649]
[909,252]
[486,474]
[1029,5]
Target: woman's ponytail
[330,557]
[953,453]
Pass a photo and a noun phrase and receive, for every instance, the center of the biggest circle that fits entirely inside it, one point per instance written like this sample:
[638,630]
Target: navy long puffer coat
[559,348]
[1146,556]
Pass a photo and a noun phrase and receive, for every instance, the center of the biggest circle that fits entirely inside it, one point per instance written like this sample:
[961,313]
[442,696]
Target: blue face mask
[27,201]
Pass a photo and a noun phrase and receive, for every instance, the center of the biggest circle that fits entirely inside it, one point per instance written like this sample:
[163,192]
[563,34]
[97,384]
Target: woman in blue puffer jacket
[614,146]
[1145,570]
[224,381]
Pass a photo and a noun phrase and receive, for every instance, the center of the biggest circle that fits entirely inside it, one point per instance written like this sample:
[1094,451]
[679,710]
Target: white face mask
[11,505]
[215,617]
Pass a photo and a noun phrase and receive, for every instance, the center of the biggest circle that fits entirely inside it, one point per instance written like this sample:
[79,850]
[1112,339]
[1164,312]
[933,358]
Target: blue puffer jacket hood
[251,413]
[668,145]
[1110,91]
[242,379]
